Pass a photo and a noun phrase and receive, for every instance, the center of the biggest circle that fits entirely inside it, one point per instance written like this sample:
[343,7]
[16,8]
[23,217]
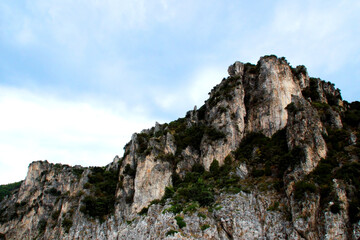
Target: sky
[79,77]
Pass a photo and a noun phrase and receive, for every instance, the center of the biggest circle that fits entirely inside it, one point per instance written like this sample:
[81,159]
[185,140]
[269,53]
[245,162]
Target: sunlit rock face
[269,94]
[257,197]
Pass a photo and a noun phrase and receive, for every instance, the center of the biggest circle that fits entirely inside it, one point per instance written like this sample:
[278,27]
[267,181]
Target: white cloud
[203,81]
[318,34]
[194,92]
[34,127]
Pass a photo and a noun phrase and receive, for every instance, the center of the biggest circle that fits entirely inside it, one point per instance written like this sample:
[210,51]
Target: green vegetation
[303,187]
[204,227]
[102,198]
[77,172]
[144,211]
[337,165]
[201,215]
[201,112]
[192,135]
[312,90]
[198,187]
[8,188]
[180,222]
[324,111]
[171,232]
[129,171]
[142,139]
[301,69]
[223,92]
[251,68]
[53,191]
[267,156]
[352,115]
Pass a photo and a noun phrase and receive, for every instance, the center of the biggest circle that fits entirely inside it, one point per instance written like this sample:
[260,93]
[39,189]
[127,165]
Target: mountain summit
[272,154]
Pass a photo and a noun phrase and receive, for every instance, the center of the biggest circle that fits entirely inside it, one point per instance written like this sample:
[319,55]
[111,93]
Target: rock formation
[272,154]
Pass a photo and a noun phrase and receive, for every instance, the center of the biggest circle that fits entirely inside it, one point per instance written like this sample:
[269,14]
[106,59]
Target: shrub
[303,187]
[180,222]
[203,216]
[142,140]
[53,191]
[258,172]
[8,188]
[101,200]
[169,192]
[201,112]
[197,192]
[214,167]
[156,201]
[291,108]
[171,232]
[311,91]
[251,68]
[198,168]
[77,172]
[129,171]
[175,208]
[350,172]
[144,211]
[191,207]
[191,136]
[352,115]
[204,227]
[166,157]
[176,180]
[214,134]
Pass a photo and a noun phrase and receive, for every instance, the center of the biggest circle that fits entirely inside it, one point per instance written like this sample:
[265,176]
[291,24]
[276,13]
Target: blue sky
[77,78]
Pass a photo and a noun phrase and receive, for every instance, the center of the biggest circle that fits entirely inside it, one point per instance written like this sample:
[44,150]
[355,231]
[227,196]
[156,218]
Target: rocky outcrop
[268,95]
[190,179]
[305,130]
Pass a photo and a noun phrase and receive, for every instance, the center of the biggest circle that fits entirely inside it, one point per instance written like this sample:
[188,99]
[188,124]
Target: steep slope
[272,154]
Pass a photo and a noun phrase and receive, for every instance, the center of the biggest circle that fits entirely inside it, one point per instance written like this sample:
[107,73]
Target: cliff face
[266,157]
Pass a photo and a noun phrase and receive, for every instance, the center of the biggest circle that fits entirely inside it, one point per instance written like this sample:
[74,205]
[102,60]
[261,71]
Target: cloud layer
[78,77]
[35,127]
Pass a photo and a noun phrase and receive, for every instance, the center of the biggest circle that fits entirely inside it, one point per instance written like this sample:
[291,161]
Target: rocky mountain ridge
[272,154]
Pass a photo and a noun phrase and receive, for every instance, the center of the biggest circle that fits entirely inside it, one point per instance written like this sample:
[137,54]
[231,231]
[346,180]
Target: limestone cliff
[272,154]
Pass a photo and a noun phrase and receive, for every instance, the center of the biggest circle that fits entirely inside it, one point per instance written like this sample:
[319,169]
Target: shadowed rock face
[266,195]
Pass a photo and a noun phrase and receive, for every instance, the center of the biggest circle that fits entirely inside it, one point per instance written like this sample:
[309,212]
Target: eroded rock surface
[302,190]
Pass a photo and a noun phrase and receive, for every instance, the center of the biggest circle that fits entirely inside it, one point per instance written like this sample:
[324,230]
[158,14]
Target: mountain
[272,154]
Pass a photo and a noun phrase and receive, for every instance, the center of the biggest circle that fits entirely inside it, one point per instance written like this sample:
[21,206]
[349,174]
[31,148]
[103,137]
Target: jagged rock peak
[272,154]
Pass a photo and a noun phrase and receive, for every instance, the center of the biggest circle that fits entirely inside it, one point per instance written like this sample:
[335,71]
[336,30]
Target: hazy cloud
[38,127]
[77,78]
